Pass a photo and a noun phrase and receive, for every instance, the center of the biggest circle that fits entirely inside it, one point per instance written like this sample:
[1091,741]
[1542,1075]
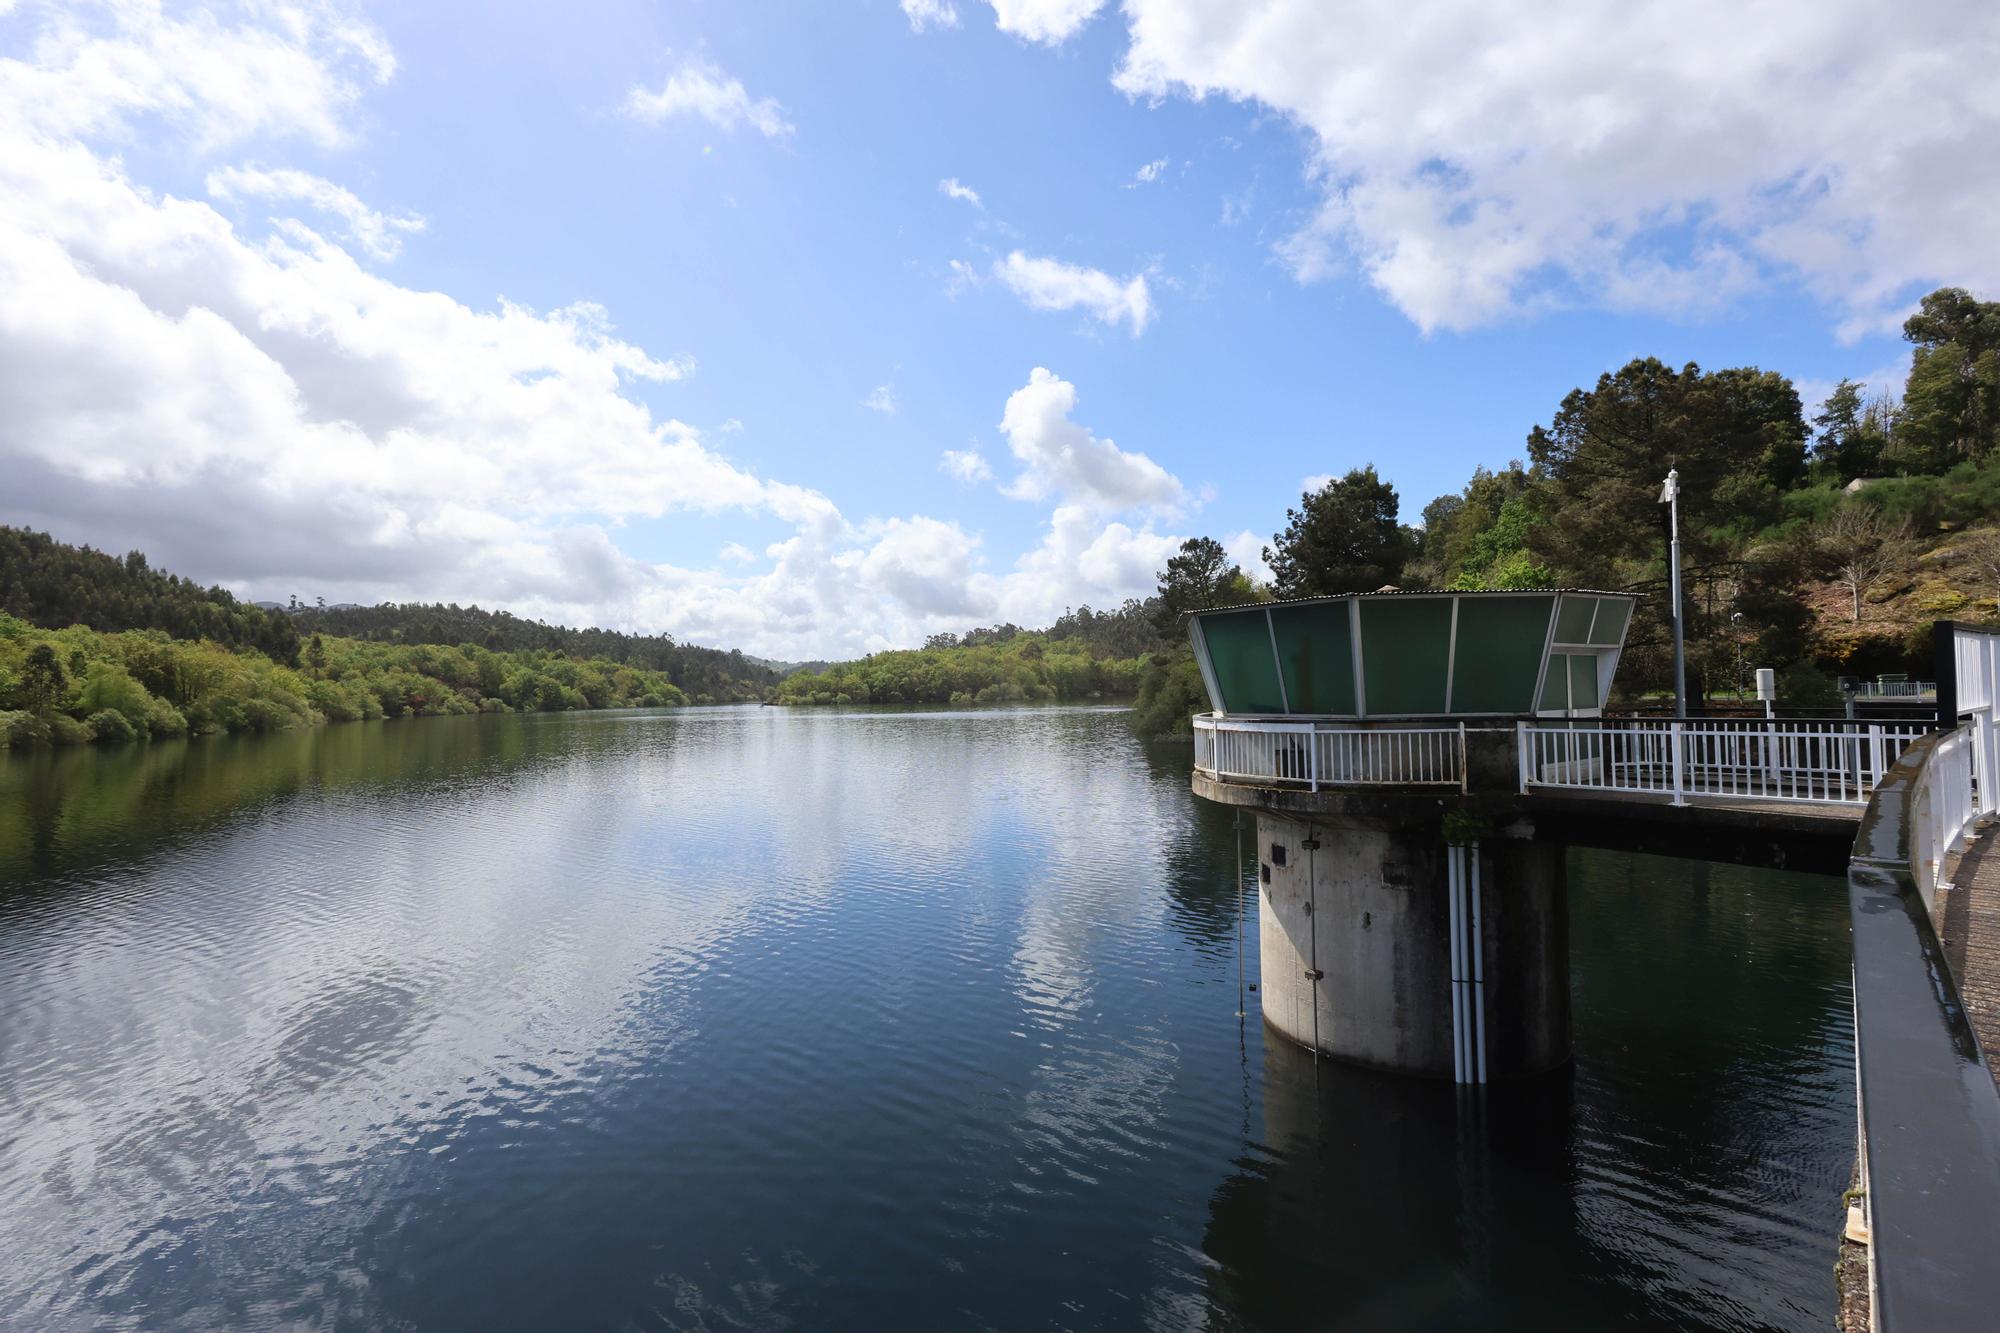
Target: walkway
[1971,939]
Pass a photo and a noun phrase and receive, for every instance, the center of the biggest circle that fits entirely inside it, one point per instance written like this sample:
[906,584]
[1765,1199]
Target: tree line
[1875,495]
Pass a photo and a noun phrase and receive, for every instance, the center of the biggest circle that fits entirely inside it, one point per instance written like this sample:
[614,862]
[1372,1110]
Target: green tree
[1736,436]
[1951,402]
[1343,538]
[1201,576]
[1848,439]
[44,683]
[316,654]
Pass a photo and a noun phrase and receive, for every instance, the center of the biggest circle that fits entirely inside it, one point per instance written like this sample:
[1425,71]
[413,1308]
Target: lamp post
[1670,495]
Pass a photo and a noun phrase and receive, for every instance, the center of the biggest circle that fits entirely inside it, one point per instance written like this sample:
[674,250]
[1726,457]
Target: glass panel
[1239,653]
[1316,651]
[1555,685]
[1612,613]
[1573,619]
[1499,646]
[1405,643]
[1583,680]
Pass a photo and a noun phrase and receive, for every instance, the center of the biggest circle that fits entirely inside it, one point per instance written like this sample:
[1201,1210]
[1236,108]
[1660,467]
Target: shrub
[66,730]
[163,719]
[19,728]
[109,726]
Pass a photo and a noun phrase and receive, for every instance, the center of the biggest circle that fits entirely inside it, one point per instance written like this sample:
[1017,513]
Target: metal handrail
[1314,755]
[1744,759]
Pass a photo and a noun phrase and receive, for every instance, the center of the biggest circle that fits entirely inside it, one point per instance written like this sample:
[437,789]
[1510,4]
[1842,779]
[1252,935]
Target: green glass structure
[1542,652]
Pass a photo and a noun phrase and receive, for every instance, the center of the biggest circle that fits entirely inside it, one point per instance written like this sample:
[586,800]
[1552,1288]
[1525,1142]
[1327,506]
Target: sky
[814,328]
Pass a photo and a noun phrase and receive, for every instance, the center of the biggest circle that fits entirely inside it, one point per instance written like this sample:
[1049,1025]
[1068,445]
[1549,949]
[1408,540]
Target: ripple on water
[744,1018]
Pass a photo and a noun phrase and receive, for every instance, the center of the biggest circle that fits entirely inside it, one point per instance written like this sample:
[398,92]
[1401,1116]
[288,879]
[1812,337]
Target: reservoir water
[730,1019]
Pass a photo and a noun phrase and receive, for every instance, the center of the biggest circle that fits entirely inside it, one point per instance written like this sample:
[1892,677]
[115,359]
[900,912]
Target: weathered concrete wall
[1370,911]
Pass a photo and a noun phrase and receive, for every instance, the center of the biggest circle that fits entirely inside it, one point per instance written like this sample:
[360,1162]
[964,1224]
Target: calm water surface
[762,1019]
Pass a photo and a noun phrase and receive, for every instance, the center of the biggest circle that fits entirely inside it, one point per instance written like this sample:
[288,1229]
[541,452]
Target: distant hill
[703,673]
[52,584]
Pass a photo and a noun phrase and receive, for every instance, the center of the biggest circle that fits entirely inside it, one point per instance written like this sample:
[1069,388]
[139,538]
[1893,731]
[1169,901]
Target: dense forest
[706,675]
[76,685]
[94,648]
[52,584]
[1819,547]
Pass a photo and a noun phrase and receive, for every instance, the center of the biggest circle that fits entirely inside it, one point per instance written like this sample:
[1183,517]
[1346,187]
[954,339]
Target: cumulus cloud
[1149,173]
[1660,157]
[1060,457]
[966,465]
[952,189]
[699,88]
[882,398]
[380,234]
[924,14]
[1050,22]
[1051,284]
[216,83]
[271,413]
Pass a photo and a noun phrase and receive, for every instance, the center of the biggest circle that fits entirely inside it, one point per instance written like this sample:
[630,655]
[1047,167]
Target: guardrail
[1311,755]
[1897,689]
[1930,1115]
[1753,759]
[1944,805]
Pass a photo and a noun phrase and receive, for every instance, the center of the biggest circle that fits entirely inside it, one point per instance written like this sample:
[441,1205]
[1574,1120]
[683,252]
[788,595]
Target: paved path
[1971,939]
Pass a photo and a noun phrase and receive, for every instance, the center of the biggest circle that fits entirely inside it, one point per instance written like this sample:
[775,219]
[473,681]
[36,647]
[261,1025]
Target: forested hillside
[47,582]
[94,648]
[707,675]
[52,584]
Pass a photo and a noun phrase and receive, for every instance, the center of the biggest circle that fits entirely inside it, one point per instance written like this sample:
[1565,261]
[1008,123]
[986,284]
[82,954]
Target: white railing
[1944,805]
[1897,689]
[1313,756]
[1763,760]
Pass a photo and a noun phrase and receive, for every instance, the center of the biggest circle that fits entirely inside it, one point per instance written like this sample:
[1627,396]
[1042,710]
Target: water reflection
[756,1018]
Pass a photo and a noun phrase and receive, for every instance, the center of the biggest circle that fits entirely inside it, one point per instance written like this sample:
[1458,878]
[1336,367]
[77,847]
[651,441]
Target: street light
[1670,495]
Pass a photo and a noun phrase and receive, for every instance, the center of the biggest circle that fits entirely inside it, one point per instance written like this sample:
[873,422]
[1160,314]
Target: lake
[745,1018]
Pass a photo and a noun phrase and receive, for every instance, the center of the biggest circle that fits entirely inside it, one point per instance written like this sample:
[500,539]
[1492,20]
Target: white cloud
[1246,549]
[966,465]
[963,277]
[1661,157]
[273,413]
[380,234]
[1149,173]
[217,83]
[1050,284]
[924,14]
[882,398]
[699,88]
[952,189]
[1050,22]
[1318,481]
[1062,458]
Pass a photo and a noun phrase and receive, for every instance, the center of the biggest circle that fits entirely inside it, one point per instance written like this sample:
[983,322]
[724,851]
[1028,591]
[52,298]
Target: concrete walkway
[1971,939]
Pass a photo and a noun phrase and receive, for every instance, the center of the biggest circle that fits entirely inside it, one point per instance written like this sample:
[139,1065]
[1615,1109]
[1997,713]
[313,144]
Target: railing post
[1521,753]
[1680,774]
[1312,761]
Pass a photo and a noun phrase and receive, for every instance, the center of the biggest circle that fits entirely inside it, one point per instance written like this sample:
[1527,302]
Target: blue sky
[662,315]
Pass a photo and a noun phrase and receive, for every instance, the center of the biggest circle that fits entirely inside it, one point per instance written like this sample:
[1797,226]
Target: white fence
[1311,756]
[1897,689]
[1762,760]
[1944,805]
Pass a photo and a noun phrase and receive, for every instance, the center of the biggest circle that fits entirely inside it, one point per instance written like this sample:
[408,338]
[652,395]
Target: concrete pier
[1356,941]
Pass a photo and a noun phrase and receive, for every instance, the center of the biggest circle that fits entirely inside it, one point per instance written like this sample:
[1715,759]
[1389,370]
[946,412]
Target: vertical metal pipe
[1477,944]
[1453,885]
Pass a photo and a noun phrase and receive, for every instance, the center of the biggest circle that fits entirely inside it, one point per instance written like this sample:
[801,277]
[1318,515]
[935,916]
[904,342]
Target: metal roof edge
[1414,592]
